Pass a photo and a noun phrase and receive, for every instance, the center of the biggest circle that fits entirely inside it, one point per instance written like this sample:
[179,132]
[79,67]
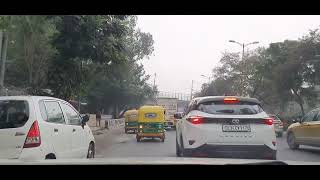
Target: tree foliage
[92,57]
[284,72]
[30,49]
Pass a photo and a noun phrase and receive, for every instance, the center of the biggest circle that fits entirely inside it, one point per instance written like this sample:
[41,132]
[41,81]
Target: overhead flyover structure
[179,96]
[183,99]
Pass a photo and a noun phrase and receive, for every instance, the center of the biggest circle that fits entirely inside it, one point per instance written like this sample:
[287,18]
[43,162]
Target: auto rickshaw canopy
[151,114]
[131,115]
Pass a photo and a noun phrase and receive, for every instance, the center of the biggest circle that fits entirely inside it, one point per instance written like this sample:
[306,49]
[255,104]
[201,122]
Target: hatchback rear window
[240,108]
[13,113]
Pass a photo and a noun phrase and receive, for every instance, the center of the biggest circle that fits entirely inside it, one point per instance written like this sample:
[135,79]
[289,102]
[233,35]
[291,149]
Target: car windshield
[233,109]
[160,86]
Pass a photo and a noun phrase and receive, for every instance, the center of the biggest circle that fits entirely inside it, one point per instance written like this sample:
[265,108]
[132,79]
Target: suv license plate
[236,128]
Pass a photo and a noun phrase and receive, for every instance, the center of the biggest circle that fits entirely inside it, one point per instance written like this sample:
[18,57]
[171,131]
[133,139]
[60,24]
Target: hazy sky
[188,46]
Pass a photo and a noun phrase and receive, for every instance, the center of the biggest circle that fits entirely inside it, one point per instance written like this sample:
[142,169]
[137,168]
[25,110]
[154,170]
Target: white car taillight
[33,138]
[195,120]
[268,121]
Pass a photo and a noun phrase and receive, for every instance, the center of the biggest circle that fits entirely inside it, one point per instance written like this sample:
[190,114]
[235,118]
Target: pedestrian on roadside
[98,118]
[107,124]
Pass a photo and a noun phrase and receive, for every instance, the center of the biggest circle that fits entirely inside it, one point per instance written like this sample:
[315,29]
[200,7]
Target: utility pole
[1,40]
[191,90]
[3,52]
[242,51]
[154,87]
[79,95]
[154,80]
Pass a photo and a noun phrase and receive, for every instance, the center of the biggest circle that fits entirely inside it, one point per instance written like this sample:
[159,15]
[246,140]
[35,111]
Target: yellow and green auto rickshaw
[131,120]
[151,123]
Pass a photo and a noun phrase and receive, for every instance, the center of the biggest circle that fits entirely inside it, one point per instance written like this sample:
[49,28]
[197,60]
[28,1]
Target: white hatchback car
[220,126]
[39,127]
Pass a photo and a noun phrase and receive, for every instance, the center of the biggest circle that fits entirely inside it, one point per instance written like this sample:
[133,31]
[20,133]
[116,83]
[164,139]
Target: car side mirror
[299,119]
[84,120]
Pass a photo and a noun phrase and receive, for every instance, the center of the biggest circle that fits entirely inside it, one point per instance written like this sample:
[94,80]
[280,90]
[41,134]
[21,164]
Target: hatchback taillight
[33,138]
[195,120]
[268,121]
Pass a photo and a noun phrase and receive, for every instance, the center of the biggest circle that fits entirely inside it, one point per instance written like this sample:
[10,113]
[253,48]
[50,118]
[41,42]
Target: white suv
[220,126]
[38,127]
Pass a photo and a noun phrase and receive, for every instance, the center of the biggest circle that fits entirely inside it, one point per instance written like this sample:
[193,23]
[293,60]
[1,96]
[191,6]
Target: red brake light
[230,100]
[268,121]
[33,138]
[195,120]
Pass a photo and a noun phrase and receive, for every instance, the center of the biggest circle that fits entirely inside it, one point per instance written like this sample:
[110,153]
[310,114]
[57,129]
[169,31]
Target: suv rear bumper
[233,151]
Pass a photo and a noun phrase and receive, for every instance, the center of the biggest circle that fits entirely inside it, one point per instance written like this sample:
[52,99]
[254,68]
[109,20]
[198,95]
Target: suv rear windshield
[13,113]
[241,108]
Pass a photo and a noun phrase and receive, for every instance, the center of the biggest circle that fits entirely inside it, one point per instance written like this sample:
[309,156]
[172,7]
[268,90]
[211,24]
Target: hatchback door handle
[55,130]
[73,130]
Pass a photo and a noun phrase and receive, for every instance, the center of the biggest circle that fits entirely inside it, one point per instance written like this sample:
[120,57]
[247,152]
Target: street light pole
[243,45]
[209,78]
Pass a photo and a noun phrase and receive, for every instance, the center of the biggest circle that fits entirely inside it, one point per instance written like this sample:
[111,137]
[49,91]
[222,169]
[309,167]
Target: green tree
[124,84]
[85,39]
[95,57]
[30,49]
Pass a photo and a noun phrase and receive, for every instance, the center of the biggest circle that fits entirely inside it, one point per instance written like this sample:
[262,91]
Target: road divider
[114,123]
[106,122]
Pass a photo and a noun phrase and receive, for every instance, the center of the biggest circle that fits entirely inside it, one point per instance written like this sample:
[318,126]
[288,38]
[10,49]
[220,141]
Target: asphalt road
[116,143]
